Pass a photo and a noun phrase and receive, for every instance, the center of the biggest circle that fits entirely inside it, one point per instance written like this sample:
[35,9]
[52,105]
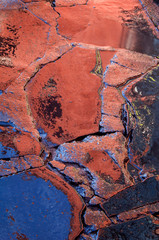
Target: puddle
[116,24]
[31,208]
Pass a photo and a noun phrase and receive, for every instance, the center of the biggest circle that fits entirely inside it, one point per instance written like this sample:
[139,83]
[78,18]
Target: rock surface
[79,119]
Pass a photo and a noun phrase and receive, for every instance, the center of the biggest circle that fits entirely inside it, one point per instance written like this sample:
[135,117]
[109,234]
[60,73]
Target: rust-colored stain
[79,87]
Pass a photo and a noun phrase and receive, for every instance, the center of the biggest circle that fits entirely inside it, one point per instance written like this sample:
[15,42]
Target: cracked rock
[63,85]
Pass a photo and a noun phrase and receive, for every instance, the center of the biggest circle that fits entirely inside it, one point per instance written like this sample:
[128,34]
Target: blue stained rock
[7,152]
[31,208]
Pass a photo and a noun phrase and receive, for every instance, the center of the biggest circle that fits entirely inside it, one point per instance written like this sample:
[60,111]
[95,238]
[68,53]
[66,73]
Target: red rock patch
[65,85]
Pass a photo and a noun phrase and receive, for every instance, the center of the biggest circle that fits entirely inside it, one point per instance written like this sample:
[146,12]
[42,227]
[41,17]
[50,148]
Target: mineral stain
[49,110]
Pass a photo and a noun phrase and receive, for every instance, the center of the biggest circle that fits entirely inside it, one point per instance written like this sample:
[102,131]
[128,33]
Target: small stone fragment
[96,200]
[76,174]
[85,191]
[61,166]
[96,218]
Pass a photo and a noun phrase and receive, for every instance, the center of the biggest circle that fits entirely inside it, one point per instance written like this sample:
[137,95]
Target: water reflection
[135,40]
[119,24]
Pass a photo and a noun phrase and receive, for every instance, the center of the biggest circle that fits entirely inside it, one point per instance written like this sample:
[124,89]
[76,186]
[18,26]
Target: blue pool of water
[31,208]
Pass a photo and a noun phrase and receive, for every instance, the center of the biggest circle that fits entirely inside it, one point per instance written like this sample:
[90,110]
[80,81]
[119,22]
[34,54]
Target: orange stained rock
[152,11]
[88,192]
[105,188]
[108,177]
[113,144]
[28,39]
[117,75]
[96,218]
[157,231]
[40,41]
[74,199]
[27,145]
[22,142]
[31,1]
[106,56]
[7,168]
[63,96]
[96,200]
[45,12]
[14,107]
[69,3]
[105,14]
[58,164]
[8,75]
[135,61]
[10,4]
[126,65]
[101,163]
[86,237]
[22,48]
[112,101]
[111,124]
[76,174]
[33,160]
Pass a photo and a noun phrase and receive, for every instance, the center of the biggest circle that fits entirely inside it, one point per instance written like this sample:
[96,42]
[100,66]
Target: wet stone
[34,210]
[127,25]
[140,229]
[136,196]
[143,121]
